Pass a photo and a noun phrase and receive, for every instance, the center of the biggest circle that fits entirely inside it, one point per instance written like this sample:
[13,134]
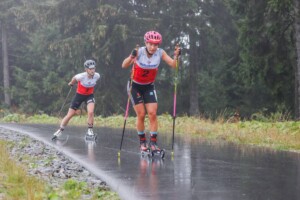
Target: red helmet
[153,37]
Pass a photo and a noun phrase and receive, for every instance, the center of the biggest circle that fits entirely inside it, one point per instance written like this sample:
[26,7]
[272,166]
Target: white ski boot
[57,134]
[90,136]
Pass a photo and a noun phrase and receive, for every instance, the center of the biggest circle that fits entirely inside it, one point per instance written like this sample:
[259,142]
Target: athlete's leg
[139,108]
[140,125]
[152,110]
[140,119]
[76,101]
[64,122]
[90,113]
[151,105]
[67,118]
[75,104]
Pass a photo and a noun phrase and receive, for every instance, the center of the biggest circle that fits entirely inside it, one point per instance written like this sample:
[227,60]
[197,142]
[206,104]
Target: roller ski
[58,136]
[155,151]
[90,135]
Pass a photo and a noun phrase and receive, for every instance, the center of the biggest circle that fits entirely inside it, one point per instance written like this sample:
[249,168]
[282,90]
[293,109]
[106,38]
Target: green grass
[16,184]
[283,135]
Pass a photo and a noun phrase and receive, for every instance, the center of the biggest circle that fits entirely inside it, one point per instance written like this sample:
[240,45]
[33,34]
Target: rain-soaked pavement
[198,170]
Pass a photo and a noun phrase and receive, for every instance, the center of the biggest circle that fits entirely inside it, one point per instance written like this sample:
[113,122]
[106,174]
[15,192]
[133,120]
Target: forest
[237,56]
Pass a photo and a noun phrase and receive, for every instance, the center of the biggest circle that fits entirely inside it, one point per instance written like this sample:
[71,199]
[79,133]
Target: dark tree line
[236,55]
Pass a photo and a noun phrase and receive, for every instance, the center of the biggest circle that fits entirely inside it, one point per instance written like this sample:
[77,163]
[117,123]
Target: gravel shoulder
[46,163]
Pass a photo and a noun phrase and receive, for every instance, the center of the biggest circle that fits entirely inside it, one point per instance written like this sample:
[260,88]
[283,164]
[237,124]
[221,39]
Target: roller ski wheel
[90,137]
[54,138]
[158,153]
[145,152]
[60,138]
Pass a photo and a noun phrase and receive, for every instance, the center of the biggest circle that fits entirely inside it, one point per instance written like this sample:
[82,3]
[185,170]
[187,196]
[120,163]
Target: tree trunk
[297,78]
[193,72]
[6,83]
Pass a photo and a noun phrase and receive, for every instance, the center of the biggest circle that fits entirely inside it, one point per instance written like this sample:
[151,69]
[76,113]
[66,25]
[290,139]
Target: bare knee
[152,115]
[90,114]
[70,114]
[141,115]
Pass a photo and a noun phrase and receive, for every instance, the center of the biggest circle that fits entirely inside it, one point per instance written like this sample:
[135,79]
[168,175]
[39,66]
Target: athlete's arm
[127,62]
[171,62]
[72,82]
[130,59]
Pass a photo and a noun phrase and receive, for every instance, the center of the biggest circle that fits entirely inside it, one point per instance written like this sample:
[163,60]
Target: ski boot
[143,145]
[154,149]
[144,149]
[57,134]
[90,136]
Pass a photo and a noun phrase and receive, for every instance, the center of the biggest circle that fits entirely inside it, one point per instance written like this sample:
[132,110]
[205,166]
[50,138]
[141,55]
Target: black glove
[133,54]
[179,52]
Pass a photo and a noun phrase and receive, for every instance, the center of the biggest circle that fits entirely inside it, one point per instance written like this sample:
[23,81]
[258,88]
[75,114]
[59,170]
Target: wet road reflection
[199,169]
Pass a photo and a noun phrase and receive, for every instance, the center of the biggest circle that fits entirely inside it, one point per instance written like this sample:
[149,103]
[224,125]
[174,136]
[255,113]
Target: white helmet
[89,64]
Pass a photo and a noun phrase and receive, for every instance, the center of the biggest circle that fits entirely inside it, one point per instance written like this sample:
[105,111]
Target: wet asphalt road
[198,170]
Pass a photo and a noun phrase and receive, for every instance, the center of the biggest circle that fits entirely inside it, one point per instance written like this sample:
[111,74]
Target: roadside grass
[279,135]
[15,183]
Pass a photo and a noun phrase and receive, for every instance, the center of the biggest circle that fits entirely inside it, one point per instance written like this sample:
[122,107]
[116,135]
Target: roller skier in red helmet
[146,61]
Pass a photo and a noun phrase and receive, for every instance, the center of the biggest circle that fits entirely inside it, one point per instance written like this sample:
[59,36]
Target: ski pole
[65,101]
[127,106]
[175,96]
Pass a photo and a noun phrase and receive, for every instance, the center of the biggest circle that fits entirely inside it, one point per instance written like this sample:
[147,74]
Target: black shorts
[79,98]
[142,93]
